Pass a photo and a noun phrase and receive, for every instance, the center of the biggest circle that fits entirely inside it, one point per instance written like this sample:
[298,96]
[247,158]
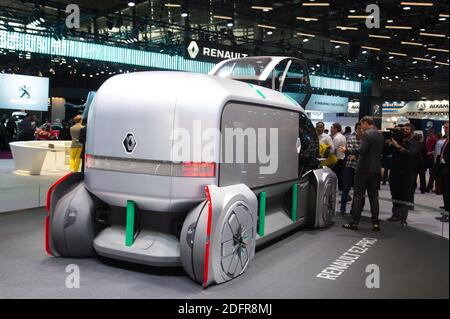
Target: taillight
[88,161]
[198,169]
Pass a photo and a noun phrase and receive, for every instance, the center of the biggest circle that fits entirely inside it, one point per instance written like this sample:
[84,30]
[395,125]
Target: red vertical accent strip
[47,235]
[52,188]
[47,208]
[208,236]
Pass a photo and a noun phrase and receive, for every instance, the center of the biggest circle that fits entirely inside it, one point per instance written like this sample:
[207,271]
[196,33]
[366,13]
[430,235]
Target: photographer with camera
[405,150]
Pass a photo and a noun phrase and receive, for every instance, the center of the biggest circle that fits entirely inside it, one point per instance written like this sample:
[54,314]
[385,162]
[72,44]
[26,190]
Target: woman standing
[76,147]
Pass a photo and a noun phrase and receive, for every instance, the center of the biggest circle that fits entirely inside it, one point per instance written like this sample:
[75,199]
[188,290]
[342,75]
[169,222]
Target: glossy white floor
[24,191]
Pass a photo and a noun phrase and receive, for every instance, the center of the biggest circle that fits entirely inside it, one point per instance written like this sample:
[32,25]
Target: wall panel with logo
[23,92]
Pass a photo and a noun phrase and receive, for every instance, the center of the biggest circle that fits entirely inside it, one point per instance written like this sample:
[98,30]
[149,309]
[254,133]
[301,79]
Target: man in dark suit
[367,174]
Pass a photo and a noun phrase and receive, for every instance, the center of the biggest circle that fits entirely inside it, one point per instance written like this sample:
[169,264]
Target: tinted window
[310,145]
[254,120]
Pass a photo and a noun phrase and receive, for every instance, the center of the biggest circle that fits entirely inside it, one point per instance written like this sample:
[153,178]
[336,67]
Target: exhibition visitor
[11,130]
[76,147]
[421,165]
[347,132]
[430,143]
[405,150]
[434,169]
[367,174]
[26,131]
[324,138]
[64,134]
[443,173]
[3,135]
[351,151]
[339,140]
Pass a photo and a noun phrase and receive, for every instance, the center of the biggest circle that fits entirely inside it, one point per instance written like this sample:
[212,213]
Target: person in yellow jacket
[76,147]
[327,157]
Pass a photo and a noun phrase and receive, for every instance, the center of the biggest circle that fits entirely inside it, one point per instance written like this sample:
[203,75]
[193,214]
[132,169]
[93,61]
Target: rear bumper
[149,248]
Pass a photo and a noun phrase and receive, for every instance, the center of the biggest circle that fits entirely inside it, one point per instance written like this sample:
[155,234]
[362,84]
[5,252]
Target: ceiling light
[172,5]
[360,17]
[414,62]
[307,19]
[265,26]
[352,11]
[305,40]
[379,36]
[222,17]
[406,8]
[443,15]
[391,57]
[442,19]
[398,54]
[360,75]
[371,48]
[339,42]
[390,21]
[422,59]
[364,52]
[343,28]
[269,32]
[438,50]
[337,46]
[229,24]
[417,4]
[398,27]
[265,9]
[306,34]
[438,35]
[412,43]
[131,3]
[436,66]
[442,63]
[318,4]
[184,15]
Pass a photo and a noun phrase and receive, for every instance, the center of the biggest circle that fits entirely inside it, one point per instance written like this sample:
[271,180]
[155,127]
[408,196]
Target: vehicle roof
[191,89]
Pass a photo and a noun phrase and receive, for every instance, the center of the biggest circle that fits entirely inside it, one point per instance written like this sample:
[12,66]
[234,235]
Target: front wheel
[218,238]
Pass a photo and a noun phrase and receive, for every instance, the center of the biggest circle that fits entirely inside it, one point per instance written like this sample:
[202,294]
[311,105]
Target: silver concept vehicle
[142,201]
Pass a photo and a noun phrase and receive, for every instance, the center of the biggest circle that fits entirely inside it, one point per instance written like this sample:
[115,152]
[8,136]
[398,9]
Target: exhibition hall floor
[412,264]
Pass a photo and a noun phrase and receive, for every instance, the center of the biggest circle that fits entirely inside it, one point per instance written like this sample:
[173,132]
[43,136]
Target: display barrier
[33,157]
[23,197]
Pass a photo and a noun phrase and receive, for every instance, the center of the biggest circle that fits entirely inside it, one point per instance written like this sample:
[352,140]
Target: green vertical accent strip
[262,213]
[129,230]
[261,94]
[294,202]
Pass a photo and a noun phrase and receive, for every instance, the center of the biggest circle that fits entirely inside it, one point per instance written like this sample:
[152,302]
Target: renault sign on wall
[207,52]
[23,92]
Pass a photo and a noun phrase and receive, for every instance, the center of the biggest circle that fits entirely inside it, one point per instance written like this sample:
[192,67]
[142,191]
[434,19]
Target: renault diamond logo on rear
[129,143]
[193,49]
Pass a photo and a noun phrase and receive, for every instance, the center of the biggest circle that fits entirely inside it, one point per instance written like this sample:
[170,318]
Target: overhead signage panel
[327,104]
[210,52]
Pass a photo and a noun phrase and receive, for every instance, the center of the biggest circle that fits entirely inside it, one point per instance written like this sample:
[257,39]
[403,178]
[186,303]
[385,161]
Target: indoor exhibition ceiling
[408,52]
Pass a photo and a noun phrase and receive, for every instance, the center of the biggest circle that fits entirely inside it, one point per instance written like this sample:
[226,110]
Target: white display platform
[37,157]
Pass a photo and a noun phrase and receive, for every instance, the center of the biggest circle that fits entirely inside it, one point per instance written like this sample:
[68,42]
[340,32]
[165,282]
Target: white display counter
[35,157]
